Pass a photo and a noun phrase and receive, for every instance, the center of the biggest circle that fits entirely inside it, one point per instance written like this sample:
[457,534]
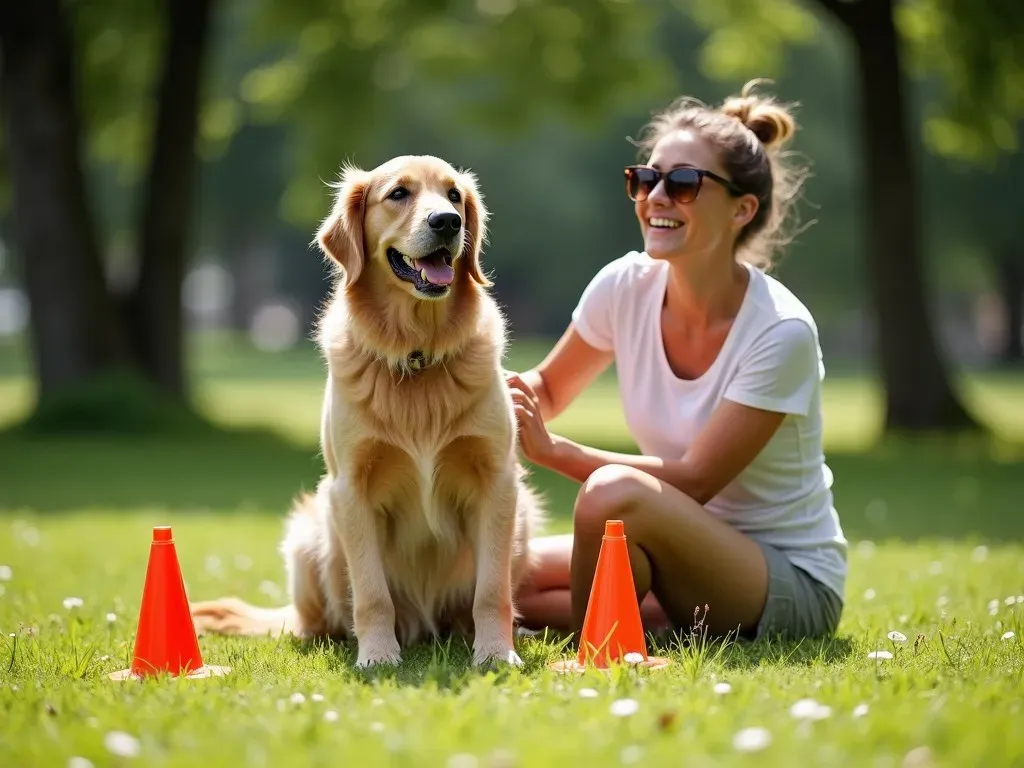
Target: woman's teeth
[665,223]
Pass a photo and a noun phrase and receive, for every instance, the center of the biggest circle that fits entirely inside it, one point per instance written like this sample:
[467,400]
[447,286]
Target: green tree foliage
[496,66]
[975,49]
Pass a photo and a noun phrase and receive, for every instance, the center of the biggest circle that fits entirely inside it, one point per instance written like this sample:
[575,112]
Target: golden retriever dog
[420,524]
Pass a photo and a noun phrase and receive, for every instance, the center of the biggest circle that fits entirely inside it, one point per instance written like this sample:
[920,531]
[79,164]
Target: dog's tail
[232,616]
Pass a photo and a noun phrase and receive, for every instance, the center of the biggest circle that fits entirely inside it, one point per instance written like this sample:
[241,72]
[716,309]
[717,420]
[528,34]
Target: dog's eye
[454,196]
[398,193]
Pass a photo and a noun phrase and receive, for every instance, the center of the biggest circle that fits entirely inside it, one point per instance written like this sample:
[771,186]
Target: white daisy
[809,709]
[751,739]
[624,707]
[122,744]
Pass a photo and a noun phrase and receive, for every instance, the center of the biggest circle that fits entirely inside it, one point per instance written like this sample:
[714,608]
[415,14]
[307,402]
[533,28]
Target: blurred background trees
[164,164]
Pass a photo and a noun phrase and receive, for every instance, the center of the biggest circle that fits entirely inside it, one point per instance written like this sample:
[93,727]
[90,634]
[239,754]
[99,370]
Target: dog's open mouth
[430,274]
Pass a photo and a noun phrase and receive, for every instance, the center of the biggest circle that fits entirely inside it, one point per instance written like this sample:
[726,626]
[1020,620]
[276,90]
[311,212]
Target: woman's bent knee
[614,492]
[608,493]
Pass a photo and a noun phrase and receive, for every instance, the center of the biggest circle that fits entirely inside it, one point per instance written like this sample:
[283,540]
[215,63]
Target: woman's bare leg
[678,550]
[546,601]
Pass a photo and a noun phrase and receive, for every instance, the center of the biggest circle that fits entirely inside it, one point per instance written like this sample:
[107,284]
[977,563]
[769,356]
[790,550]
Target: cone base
[207,670]
[572,665]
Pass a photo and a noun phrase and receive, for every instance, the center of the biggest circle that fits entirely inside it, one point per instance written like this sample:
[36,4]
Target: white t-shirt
[771,359]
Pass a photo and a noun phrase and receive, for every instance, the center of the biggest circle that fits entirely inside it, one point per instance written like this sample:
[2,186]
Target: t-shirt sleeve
[595,312]
[781,370]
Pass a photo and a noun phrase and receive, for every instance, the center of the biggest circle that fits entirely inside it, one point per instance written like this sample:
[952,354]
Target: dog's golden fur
[420,524]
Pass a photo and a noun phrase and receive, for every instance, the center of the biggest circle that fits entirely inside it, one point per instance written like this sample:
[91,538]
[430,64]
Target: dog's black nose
[443,223]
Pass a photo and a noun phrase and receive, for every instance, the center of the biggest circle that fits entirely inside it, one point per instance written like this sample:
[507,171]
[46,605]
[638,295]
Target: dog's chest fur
[428,446]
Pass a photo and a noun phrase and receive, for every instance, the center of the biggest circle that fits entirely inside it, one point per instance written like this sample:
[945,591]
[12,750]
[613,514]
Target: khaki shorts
[798,605]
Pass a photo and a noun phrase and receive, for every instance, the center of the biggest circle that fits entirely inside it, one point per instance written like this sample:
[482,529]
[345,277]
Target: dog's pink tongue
[434,270]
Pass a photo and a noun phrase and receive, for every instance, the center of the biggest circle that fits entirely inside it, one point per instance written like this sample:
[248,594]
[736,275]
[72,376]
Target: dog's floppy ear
[476,227]
[341,234]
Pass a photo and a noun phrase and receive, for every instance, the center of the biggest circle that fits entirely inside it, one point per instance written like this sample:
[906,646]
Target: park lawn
[953,688]
[936,554]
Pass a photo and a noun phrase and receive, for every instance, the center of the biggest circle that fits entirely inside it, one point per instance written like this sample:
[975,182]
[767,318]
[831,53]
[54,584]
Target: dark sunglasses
[681,184]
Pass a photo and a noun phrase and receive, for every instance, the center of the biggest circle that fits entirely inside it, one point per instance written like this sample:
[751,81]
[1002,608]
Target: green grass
[956,692]
[937,554]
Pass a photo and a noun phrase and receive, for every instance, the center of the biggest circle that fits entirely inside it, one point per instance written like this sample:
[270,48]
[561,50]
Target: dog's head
[415,220]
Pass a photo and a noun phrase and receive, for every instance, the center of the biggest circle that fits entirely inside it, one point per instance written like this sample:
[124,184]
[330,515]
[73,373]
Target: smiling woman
[729,506]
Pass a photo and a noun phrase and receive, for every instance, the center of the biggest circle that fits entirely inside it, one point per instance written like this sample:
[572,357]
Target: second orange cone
[612,628]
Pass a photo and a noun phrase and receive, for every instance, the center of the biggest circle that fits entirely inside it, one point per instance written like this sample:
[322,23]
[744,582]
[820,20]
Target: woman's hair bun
[770,121]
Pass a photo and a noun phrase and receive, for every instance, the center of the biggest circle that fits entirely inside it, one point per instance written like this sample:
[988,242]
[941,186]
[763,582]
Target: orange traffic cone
[612,628]
[166,639]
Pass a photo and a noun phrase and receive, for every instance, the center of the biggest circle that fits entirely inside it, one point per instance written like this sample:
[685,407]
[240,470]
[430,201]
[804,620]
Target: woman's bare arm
[569,368]
[733,437]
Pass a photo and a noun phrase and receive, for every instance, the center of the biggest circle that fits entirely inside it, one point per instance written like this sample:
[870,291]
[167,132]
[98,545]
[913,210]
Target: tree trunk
[918,392]
[74,323]
[1011,272]
[156,306]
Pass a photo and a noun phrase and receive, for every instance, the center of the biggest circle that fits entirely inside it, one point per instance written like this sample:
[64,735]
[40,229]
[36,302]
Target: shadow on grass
[694,651]
[254,470]
[444,663]
[909,490]
[792,653]
[117,443]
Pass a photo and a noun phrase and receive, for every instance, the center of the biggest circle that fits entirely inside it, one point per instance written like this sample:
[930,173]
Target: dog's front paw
[372,654]
[495,653]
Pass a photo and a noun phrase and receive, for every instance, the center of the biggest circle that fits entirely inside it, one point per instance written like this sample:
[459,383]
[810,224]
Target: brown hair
[749,132]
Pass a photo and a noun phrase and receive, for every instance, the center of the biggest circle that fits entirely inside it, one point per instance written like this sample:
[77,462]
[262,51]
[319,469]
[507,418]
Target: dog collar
[416,360]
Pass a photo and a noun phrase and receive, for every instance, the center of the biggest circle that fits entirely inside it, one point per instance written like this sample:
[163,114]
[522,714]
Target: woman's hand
[535,441]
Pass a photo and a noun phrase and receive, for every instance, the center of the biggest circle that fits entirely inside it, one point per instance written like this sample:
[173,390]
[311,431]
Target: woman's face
[709,223]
